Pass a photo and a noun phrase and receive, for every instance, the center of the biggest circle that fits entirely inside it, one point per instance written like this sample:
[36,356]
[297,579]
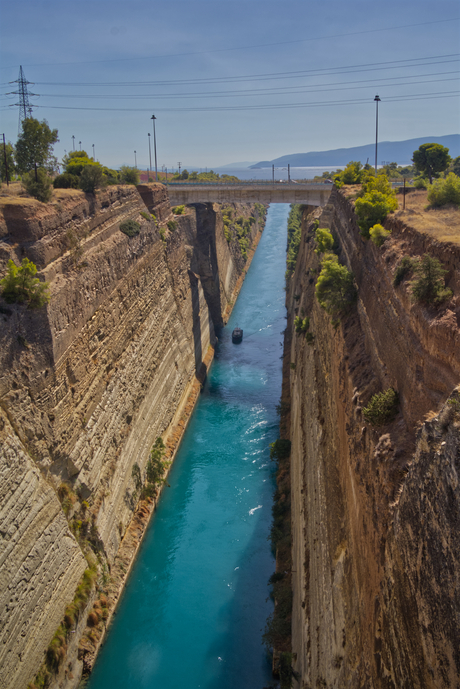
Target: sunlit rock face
[375,509]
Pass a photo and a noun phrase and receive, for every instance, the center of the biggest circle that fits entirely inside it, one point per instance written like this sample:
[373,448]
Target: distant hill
[390,151]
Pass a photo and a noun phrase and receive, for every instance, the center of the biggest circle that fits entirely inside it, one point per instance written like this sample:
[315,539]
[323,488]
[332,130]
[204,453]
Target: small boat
[237,335]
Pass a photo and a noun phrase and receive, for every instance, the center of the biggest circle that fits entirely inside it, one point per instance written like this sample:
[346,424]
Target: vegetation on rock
[335,288]
[294,227]
[130,227]
[38,184]
[20,285]
[382,408]
[378,234]
[428,287]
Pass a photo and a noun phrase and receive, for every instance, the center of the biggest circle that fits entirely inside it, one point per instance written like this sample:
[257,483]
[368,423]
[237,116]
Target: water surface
[195,606]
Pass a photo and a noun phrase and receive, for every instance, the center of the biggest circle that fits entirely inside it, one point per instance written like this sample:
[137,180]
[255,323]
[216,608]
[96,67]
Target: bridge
[249,192]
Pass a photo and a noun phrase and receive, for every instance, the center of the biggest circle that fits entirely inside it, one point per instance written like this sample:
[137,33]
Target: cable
[249,47]
[267,76]
[280,91]
[281,106]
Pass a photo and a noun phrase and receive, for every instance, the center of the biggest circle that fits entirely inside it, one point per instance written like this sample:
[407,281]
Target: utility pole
[79,143]
[150,156]
[94,155]
[135,160]
[73,142]
[6,162]
[273,174]
[289,172]
[179,167]
[377,101]
[153,118]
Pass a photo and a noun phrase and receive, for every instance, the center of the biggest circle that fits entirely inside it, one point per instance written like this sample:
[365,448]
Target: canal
[195,606]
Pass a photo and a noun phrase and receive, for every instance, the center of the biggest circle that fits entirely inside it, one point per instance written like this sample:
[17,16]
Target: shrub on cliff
[38,185]
[20,285]
[382,408]
[294,234]
[130,227]
[66,181]
[324,240]
[335,288]
[428,287]
[156,467]
[129,175]
[91,177]
[178,210]
[403,269]
[373,208]
[378,234]
[444,191]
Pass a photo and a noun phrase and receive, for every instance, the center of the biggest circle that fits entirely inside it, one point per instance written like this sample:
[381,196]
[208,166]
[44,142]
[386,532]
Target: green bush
[280,449]
[146,215]
[172,225]
[294,234]
[156,467]
[428,287]
[20,285]
[335,289]
[301,326]
[129,175]
[352,174]
[382,408]
[66,181]
[130,228]
[402,270]
[178,210]
[378,234]
[91,177]
[373,208]
[324,240]
[444,191]
[40,188]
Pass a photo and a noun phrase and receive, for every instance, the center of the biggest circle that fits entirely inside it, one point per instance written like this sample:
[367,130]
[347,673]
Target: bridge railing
[247,183]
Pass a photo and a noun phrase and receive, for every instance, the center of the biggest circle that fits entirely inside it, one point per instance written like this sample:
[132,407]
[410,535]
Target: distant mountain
[244,163]
[390,151]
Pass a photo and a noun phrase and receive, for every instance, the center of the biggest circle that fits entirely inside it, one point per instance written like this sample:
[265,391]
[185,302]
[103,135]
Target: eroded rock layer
[88,382]
[374,509]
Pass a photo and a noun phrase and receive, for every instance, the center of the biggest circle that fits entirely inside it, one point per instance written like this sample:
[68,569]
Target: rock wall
[88,382]
[375,510]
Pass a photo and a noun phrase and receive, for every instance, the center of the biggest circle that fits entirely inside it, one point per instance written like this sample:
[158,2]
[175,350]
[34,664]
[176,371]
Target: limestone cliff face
[375,511]
[90,381]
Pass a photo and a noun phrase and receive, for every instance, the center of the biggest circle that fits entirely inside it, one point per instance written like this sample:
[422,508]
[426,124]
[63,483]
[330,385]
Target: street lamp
[94,155]
[73,142]
[150,156]
[155,147]
[80,144]
[377,101]
[135,160]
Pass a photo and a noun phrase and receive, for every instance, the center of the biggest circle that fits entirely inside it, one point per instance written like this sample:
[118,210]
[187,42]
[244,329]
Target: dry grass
[441,223]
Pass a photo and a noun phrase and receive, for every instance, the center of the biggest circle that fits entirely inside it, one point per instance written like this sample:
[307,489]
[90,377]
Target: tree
[91,177]
[324,240]
[335,289]
[76,161]
[431,159]
[21,285]
[373,208]
[456,166]
[428,287]
[352,174]
[9,150]
[35,144]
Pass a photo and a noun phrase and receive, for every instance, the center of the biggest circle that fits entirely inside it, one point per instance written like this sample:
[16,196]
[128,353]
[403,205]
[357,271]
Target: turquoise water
[195,606]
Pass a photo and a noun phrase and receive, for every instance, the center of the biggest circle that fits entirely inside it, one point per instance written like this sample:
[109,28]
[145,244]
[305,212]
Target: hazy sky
[228,80]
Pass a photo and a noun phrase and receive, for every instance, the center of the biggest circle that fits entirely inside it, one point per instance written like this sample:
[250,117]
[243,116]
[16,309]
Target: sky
[230,81]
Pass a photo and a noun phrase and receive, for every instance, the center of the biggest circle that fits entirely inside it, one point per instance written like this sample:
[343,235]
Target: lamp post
[79,143]
[94,155]
[150,156]
[135,160]
[73,142]
[155,147]
[377,100]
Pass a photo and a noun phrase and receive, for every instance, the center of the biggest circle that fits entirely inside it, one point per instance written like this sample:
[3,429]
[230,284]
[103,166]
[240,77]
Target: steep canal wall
[375,510]
[87,384]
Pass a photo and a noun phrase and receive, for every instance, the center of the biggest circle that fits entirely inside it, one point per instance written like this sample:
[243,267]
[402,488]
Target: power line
[270,75]
[267,106]
[247,47]
[283,90]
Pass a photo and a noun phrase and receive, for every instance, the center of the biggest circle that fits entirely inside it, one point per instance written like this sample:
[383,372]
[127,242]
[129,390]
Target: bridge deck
[267,192]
